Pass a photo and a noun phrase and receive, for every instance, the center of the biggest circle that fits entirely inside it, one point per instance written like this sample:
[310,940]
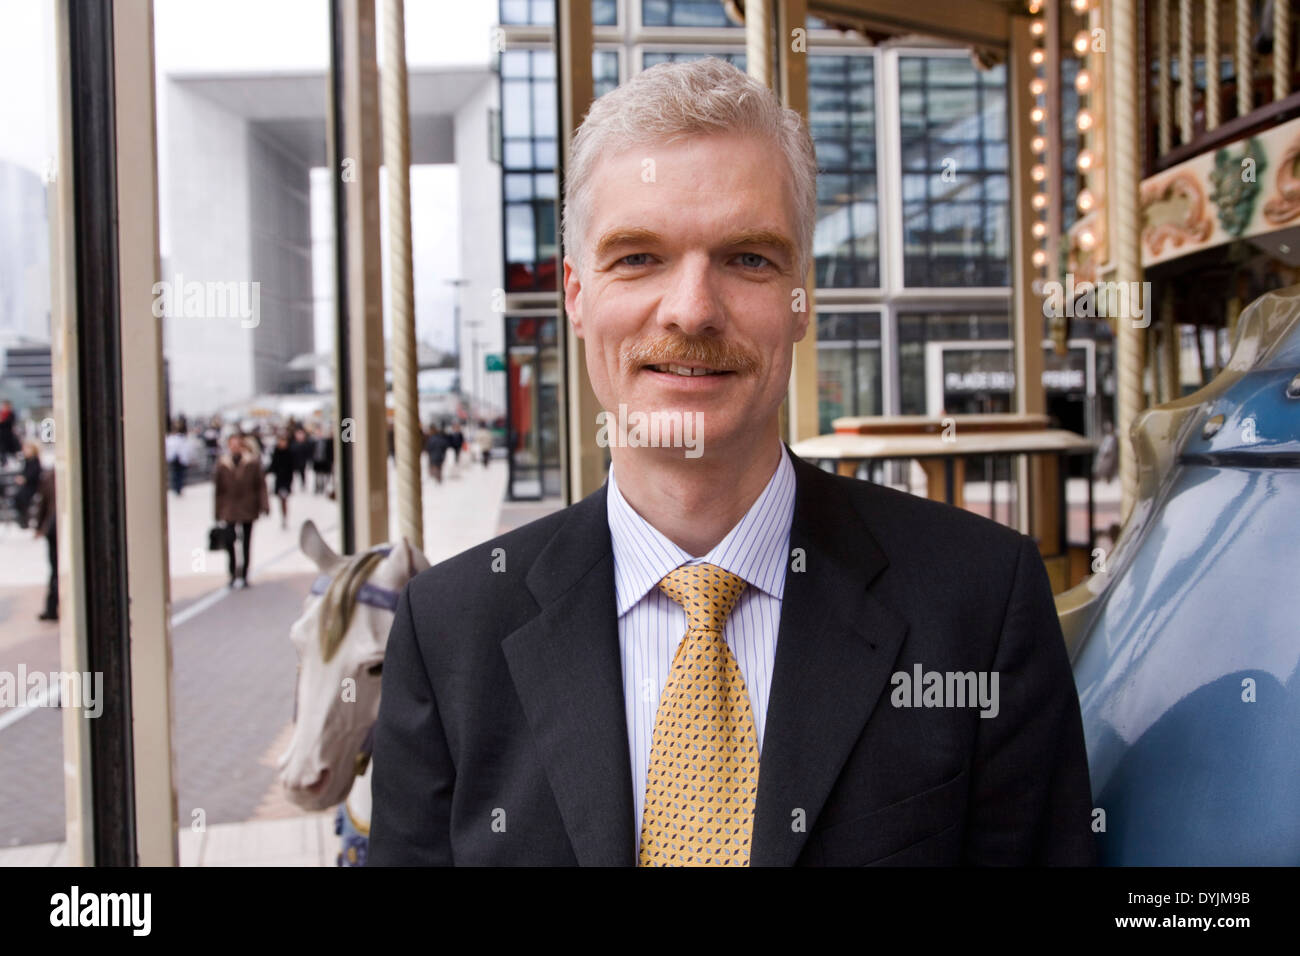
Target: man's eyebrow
[746,237]
[623,237]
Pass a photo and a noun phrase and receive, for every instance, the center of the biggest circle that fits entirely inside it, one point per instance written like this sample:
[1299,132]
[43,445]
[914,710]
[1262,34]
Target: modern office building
[24,290]
[241,212]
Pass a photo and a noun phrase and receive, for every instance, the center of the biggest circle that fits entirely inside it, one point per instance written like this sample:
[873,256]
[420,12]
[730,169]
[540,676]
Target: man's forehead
[688,157]
[632,187]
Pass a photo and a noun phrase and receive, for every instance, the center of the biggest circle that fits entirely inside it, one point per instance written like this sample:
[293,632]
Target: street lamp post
[477,400]
[455,325]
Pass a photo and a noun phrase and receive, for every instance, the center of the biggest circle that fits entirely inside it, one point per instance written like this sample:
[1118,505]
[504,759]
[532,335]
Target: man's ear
[801,324]
[572,291]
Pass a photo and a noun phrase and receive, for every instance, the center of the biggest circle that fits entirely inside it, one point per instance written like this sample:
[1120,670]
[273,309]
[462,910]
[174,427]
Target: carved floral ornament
[1284,204]
[1174,211]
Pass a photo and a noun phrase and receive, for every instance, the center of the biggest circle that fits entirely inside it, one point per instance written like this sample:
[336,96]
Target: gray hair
[670,101]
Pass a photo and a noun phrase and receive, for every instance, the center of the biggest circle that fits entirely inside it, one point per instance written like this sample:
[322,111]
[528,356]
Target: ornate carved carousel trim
[1175,211]
[1284,205]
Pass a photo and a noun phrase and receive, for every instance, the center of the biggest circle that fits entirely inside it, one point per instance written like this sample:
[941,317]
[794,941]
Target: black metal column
[99,418]
[344,457]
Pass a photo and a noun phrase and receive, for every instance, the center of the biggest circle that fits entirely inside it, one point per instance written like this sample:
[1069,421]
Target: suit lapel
[835,647]
[566,667]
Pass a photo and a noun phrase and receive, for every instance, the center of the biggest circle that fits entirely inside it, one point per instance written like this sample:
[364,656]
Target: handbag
[220,537]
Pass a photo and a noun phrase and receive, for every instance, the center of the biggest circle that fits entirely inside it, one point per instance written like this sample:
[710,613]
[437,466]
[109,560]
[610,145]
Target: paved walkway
[233,673]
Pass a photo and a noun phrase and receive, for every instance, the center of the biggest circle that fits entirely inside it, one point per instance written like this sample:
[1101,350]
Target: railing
[1253,45]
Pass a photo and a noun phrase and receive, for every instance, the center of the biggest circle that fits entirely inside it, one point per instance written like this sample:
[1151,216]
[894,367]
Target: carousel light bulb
[1040,258]
[1081,41]
[1038,173]
[1085,160]
[1037,57]
[1039,201]
[1035,6]
[1038,28]
[1080,6]
[1039,229]
[1087,240]
[1084,121]
[1038,144]
[1038,114]
[1038,86]
[1085,200]
[1083,81]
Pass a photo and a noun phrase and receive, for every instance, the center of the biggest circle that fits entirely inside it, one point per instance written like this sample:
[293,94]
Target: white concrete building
[237,151]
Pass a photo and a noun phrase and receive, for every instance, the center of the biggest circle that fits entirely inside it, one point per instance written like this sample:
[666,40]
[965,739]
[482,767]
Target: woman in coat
[240,499]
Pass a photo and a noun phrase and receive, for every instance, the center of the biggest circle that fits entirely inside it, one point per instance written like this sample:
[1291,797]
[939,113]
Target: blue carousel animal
[1186,647]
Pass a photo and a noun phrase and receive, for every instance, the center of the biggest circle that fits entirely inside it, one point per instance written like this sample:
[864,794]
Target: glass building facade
[913,237]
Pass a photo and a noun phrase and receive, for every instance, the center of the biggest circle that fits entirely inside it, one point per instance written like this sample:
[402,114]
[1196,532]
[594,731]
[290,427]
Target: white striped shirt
[651,624]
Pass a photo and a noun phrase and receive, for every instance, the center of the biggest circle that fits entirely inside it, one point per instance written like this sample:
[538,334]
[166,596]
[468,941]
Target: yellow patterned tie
[703,779]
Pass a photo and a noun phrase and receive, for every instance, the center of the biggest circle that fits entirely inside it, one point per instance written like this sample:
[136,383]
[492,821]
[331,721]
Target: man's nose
[691,303]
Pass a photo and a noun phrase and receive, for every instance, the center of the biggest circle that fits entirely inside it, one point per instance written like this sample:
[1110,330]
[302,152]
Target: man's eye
[633,256]
[750,256]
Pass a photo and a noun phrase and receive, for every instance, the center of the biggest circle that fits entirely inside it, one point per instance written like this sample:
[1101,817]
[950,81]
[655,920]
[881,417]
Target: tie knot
[706,593]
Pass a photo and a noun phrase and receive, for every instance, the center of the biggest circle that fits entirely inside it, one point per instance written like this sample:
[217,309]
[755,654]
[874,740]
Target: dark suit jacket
[502,737]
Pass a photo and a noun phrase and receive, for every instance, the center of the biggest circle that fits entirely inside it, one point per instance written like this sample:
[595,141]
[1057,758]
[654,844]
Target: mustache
[670,349]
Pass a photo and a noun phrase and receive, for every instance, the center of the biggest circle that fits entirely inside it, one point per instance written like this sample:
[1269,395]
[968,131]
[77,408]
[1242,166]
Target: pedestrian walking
[254,444]
[241,498]
[177,448]
[457,440]
[284,463]
[436,446]
[211,438]
[9,443]
[323,461]
[483,442]
[46,527]
[28,482]
[301,450]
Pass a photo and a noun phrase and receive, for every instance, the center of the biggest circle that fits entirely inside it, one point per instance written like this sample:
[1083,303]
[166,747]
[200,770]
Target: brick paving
[233,670]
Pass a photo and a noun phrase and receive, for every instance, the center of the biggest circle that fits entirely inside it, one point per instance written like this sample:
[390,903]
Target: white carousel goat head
[340,640]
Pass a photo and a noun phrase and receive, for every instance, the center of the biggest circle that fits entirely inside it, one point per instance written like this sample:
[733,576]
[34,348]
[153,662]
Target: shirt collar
[755,549]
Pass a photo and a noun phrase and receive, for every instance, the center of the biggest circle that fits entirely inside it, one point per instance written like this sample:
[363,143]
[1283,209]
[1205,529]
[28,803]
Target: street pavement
[233,671]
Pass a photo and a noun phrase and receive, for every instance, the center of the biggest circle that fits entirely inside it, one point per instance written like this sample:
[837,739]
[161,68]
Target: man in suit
[724,655]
